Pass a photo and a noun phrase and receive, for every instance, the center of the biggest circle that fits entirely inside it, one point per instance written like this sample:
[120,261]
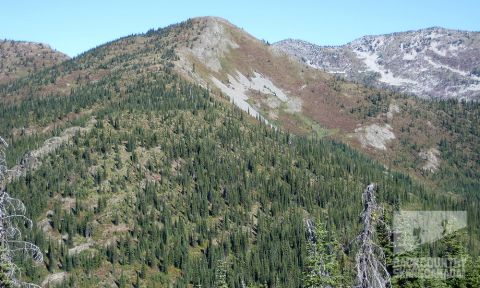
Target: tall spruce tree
[221,274]
[322,266]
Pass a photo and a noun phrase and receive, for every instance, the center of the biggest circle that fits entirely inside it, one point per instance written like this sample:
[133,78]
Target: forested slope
[170,185]
[170,181]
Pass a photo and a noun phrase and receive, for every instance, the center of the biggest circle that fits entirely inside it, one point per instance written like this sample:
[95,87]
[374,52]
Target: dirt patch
[68,203]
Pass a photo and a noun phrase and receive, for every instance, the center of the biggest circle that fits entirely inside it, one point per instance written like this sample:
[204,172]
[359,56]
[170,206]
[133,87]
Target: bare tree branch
[13,210]
[370,259]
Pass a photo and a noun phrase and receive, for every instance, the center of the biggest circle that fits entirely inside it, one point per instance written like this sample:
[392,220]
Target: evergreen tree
[52,260]
[221,274]
[472,273]
[122,282]
[455,253]
[322,266]
[5,270]
[180,179]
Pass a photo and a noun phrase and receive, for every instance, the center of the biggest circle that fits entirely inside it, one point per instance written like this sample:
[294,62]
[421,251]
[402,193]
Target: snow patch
[453,49]
[401,61]
[436,35]
[375,136]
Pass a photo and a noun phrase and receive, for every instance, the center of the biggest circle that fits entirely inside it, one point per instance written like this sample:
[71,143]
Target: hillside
[402,132]
[138,171]
[19,58]
[434,63]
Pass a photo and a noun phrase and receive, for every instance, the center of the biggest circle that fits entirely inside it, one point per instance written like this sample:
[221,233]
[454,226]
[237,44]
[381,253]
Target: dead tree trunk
[370,259]
[11,211]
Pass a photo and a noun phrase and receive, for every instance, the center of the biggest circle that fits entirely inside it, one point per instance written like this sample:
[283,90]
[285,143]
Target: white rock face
[236,90]
[239,85]
[431,157]
[80,248]
[372,62]
[392,110]
[32,160]
[213,44]
[54,279]
[430,63]
[375,136]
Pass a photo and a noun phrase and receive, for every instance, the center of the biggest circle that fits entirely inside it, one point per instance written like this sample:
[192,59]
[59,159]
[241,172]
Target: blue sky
[76,26]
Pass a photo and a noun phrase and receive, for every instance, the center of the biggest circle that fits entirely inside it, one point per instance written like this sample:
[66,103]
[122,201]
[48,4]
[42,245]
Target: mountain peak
[211,19]
[203,21]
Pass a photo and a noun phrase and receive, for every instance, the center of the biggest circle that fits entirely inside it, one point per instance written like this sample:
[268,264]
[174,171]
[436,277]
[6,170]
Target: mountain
[434,63]
[20,58]
[289,94]
[137,170]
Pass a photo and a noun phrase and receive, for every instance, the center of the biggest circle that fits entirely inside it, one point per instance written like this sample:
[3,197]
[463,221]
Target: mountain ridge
[157,180]
[431,63]
[21,58]
[214,53]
